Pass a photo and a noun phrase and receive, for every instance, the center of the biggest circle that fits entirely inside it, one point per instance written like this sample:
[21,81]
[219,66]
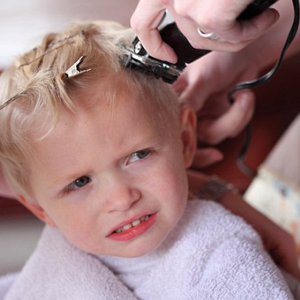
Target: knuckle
[135,23]
[166,2]
[206,23]
[182,9]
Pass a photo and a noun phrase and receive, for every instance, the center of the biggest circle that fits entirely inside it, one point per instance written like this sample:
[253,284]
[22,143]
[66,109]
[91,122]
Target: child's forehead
[121,122]
[110,98]
[115,95]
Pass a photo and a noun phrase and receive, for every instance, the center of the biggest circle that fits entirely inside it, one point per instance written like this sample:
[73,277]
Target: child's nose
[121,197]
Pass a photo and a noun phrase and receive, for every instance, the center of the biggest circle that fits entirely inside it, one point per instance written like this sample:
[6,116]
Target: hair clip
[65,39]
[50,48]
[10,100]
[74,69]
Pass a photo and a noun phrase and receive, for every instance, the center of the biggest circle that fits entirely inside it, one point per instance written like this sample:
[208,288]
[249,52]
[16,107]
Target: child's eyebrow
[144,142]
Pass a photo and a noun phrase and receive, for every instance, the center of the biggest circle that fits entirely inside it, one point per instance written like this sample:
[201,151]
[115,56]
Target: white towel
[59,271]
[6,283]
[211,254]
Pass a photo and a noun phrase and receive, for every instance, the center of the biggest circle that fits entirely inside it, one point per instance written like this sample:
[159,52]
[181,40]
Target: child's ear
[37,210]
[188,122]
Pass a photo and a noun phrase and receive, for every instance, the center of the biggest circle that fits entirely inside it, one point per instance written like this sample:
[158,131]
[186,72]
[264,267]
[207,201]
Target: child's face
[112,179]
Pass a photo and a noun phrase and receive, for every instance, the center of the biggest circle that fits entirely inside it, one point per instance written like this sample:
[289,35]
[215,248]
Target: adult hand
[277,242]
[208,16]
[205,85]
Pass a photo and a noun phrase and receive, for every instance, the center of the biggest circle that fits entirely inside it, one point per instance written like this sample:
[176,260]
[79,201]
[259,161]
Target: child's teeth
[134,223]
[126,227]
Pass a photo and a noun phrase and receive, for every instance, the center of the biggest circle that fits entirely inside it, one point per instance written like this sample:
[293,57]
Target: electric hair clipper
[138,58]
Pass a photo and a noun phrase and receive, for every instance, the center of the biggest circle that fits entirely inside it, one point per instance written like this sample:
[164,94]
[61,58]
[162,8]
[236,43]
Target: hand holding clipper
[138,58]
[202,20]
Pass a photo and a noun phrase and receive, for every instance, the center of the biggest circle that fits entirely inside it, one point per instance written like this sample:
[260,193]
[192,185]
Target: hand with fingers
[206,82]
[205,23]
[205,85]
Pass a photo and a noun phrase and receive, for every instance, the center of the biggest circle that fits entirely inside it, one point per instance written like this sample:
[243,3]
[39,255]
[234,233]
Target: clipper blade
[150,66]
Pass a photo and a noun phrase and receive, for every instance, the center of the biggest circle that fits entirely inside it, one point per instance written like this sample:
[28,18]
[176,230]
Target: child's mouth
[132,224]
[133,229]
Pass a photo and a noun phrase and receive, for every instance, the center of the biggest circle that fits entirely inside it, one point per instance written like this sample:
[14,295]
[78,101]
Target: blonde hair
[39,77]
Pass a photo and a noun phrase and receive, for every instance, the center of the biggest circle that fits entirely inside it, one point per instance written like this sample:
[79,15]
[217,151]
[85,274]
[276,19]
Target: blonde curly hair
[38,79]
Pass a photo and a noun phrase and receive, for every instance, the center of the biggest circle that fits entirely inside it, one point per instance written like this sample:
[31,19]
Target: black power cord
[257,82]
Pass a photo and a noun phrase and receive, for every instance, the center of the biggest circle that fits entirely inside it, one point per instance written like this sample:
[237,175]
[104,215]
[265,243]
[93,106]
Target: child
[99,153]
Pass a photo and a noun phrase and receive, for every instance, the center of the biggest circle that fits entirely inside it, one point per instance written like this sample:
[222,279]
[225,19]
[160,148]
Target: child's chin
[139,251]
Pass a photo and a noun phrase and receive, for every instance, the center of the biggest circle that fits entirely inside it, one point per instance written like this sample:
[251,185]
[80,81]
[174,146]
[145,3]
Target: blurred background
[19,233]
[22,23]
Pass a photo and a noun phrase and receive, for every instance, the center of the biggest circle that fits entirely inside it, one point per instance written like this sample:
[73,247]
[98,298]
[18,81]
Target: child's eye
[139,155]
[79,183]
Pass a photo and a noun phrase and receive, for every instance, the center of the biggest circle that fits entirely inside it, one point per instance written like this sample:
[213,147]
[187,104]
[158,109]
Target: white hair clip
[74,69]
